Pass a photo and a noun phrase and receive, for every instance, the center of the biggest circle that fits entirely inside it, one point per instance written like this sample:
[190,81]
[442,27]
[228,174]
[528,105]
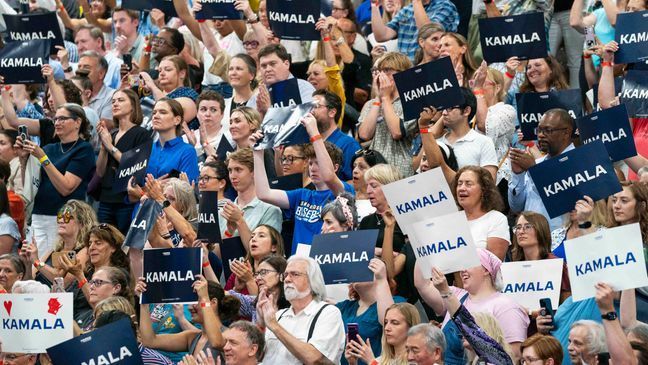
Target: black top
[357,74]
[562,5]
[47,132]
[374,221]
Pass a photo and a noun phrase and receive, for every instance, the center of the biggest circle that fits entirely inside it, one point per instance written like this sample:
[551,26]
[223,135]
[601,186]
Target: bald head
[562,117]
[555,131]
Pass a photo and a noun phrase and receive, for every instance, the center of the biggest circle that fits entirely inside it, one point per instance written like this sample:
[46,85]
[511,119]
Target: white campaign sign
[30,323]
[444,242]
[526,282]
[613,256]
[419,197]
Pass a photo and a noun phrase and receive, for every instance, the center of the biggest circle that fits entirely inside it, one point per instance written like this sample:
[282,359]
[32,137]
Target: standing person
[285,330]
[429,41]
[97,68]
[207,138]
[67,170]
[128,40]
[361,162]
[562,32]
[127,116]
[455,46]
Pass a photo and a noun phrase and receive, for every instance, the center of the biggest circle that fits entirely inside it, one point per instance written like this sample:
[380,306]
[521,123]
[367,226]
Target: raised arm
[380,30]
[382,292]
[261,185]
[184,228]
[420,16]
[428,292]
[576,18]
[182,8]
[33,126]
[606,91]
[326,167]
[617,343]
[429,120]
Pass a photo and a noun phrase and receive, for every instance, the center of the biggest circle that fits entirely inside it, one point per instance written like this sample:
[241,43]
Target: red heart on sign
[7,305]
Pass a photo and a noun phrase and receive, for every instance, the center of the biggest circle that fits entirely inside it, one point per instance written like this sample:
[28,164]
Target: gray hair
[434,338]
[29,287]
[595,338]
[101,61]
[336,208]
[253,335]
[639,330]
[642,170]
[315,277]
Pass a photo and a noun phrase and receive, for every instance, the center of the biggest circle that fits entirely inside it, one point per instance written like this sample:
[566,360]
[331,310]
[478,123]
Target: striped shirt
[440,11]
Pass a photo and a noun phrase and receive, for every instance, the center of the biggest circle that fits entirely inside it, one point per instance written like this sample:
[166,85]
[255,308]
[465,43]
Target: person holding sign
[618,345]
[106,282]
[579,224]
[479,294]
[211,132]
[213,305]
[455,46]
[630,206]
[274,62]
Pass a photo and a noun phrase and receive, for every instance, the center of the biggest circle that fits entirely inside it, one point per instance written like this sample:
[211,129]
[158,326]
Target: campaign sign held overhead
[295,19]
[137,4]
[166,6]
[563,180]
[33,322]
[522,35]
[21,62]
[142,224]
[599,257]
[430,84]
[526,282]
[444,242]
[344,256]
[612,127]
[208,226]
[113,343]
[170,273]
[283,127]
[634,93]
[218,9]
[29,27]
[631,33]
[133,163]
[231,250]
[419,197]
[287,182]
[285,93]
[531,107]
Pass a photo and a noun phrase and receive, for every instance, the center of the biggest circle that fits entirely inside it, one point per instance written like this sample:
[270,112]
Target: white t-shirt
[473,149]
[491,224]
[232,46]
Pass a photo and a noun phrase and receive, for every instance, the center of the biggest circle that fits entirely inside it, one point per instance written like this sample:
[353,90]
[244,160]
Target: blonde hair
[251,115]
[412,318]
[497,77]
[395,60]
[85,217]
[489,324]
[383,173]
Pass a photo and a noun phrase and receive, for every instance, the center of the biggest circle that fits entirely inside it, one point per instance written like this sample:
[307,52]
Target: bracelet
[424,130]
[82,283]
[201,20]
[253,21]
[446,295]
[374,362]
[587,56]
[315,138]
[166,236]
[43,159]
[228,234]
[37,264]
[205,264]
[376,103]
[205,304]
[148,48]
[3,291]
[607,63]
[478,92]
[326,39]
[507,74]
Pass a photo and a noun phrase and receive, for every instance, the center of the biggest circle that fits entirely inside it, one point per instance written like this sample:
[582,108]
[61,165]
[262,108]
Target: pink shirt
[510,316]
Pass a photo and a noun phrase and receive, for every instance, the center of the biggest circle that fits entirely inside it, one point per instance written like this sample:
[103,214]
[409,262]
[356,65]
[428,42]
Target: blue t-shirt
[175,155]
[349,147]
[368,325]
[305,208]
[77,158]
[165,322]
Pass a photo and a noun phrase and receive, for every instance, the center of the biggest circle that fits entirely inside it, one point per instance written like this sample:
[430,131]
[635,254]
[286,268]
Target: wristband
[376,103]
[201,20]
[253,21]
[446,295]
[326,39]
[205,304]
[507,74]
[424,130]
[38,264]
[374,362]
[3,291]
[587,56]
[227,234]
[148,48]
[82,283]
[315,138]
[205,264]
[43,159]
[607,63]
[478,92]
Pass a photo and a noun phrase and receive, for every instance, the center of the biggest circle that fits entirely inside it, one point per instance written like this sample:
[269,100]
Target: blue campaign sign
[231,250]
[631,33]
[295,19]
[565,179]
[21,62]
[285,93]
[612,127]
[224,148]
[522,35]
[133,163]
[531,107]
[287,182]
[344,256]
[282,127]
[208,225]
[28,27]
[113,343]
[166,6]
[137,4]
[142,224]
[170,273]
[430,84]
[218,9]
[634,93]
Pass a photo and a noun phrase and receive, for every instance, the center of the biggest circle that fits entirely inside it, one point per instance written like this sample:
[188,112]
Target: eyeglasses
[338,9]
[293,274]
[251,44]
[103,226]
[159,41]
[365,153]
[262,272]
[290,159]
[519,228]
[62,119]
[547,131]
[375,70]
[66,216]
[98,282]
[529,360]
[206,178]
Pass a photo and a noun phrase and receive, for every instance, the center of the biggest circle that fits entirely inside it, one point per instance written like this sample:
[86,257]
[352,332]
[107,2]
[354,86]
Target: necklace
[69,149]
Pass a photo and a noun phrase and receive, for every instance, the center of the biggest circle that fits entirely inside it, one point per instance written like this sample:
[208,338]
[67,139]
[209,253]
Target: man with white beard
[311,330]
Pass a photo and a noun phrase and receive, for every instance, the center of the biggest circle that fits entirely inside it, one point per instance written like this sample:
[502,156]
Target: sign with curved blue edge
[631,33]
[231,250]
[532,106]
[634,93]
[113,343]
[218,9]
[285,93]
[522,35]
[30,323]
[29,27]
[295,19]
[21,62]
[142,224]
[133,163]
[563,180]
[141,5]
[170,273]
[208,225]
[283,127]
[430,84]
[612,127]
[287,182]
[598,257]
[166,6]
[344,256]
[444,242]
[526,282]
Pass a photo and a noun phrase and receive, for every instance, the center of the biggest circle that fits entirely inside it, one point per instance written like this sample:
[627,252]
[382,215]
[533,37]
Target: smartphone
[128,60]
[547,310]
[174,173]
[23,132]
[590,40]
[352,332]
[56,258]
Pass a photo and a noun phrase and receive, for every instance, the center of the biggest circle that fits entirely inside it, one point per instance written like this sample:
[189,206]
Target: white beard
[293,294]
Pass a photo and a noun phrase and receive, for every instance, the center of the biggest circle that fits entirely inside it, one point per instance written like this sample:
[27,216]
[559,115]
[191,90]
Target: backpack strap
[314,321]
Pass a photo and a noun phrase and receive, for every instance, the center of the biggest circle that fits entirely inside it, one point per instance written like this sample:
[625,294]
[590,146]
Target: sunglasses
[66,216]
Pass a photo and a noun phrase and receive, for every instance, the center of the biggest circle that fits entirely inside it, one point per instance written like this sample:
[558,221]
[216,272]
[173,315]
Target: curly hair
[85,217]
[639,191]
[556,80]
[491,198]
[114,238]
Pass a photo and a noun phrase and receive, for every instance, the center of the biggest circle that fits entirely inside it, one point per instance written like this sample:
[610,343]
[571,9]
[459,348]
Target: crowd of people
[189,90]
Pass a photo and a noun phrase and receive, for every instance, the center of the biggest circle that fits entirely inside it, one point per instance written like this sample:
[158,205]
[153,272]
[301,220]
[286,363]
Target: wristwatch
[68,70]
[609,316]
[113,150]
[166,204]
